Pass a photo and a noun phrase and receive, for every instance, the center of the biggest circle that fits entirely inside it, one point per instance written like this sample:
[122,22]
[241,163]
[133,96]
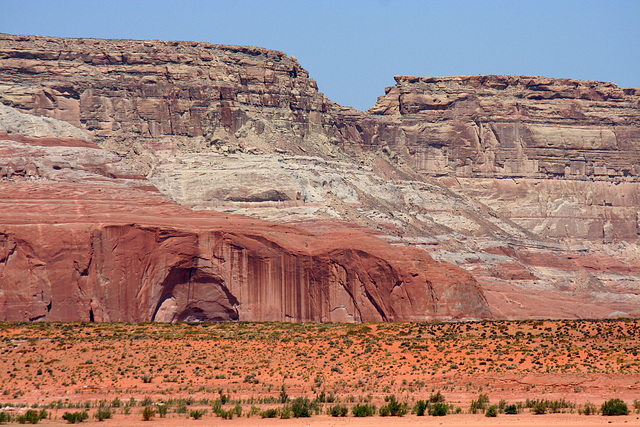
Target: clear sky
[353,48]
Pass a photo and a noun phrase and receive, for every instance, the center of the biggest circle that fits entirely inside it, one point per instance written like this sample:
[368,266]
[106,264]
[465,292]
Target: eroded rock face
[130,94]
[516,126]
[529,184]
[572,145]
[83,237]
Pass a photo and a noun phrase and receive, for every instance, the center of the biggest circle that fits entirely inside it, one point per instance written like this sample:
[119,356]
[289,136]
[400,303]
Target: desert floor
[252,367]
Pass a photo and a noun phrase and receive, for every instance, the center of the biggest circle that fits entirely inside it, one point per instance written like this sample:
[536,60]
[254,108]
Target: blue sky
[353,48]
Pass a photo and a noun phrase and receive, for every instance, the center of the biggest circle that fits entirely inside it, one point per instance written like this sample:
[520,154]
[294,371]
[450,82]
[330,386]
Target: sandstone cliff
[83,237]
[529,184]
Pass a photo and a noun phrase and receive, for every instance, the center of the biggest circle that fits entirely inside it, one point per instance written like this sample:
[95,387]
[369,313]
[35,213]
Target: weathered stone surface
[525,182]
[516,126]
[130,94]
[83,237]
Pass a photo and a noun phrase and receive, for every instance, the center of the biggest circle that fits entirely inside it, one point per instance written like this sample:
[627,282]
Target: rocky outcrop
[529,184]
[83,237]
[516,126]
[140,96]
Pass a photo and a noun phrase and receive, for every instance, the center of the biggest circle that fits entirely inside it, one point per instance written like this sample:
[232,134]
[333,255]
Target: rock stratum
[83,237]
[524,190]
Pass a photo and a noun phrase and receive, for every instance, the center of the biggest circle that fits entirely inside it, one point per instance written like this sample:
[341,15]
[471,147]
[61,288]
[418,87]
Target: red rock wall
[82,237]
[134,273]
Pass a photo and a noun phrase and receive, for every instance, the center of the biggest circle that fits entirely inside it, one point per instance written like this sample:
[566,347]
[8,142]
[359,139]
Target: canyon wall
[84,237]
[529,184]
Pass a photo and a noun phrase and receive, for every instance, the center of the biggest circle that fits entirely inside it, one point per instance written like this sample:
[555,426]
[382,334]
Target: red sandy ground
[579,361]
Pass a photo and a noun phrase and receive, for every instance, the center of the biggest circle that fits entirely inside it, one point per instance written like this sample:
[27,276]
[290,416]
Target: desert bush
[492,411]
[285,413]
[238,410]
[479,405]
[511,409]
[103,413]
[162,410]
[614,407]
[363,410]
[31,416]
[148,413]
[393,407]
[589,409]
[225,414]
[539,408]
[74,417]
[338,411]
[196,414]
[437,397]
[181,408]
[224,398]
[439,409]
[251,378]
[550,406]
[254,410]
[5,417]
[269,413]
[301,407]
[420,408]
[284,397]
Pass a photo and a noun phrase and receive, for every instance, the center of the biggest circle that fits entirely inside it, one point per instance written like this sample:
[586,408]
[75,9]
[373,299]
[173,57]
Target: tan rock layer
[516,126]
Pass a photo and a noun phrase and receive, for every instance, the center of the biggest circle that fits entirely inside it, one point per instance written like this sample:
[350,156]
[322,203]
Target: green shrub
[492,411]
[614,407]
[338,411]
[238,410]
[437,397]
[284,397]
[420,408]
[269,413]
[222,413]
[31,416]
[103,413]
[439,409]
[285,413]
[363,410]
[148,413]
[479,405]
[301,407]
[511,409]
[162,410]
[74,417]
[5,417]
[393,407]
[589,409]
[196,414]
[539,408]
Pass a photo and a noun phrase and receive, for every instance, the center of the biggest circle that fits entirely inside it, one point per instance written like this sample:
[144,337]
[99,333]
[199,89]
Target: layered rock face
[83,237]
[131,94]
[529,184]
[516,126]
[558,136]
